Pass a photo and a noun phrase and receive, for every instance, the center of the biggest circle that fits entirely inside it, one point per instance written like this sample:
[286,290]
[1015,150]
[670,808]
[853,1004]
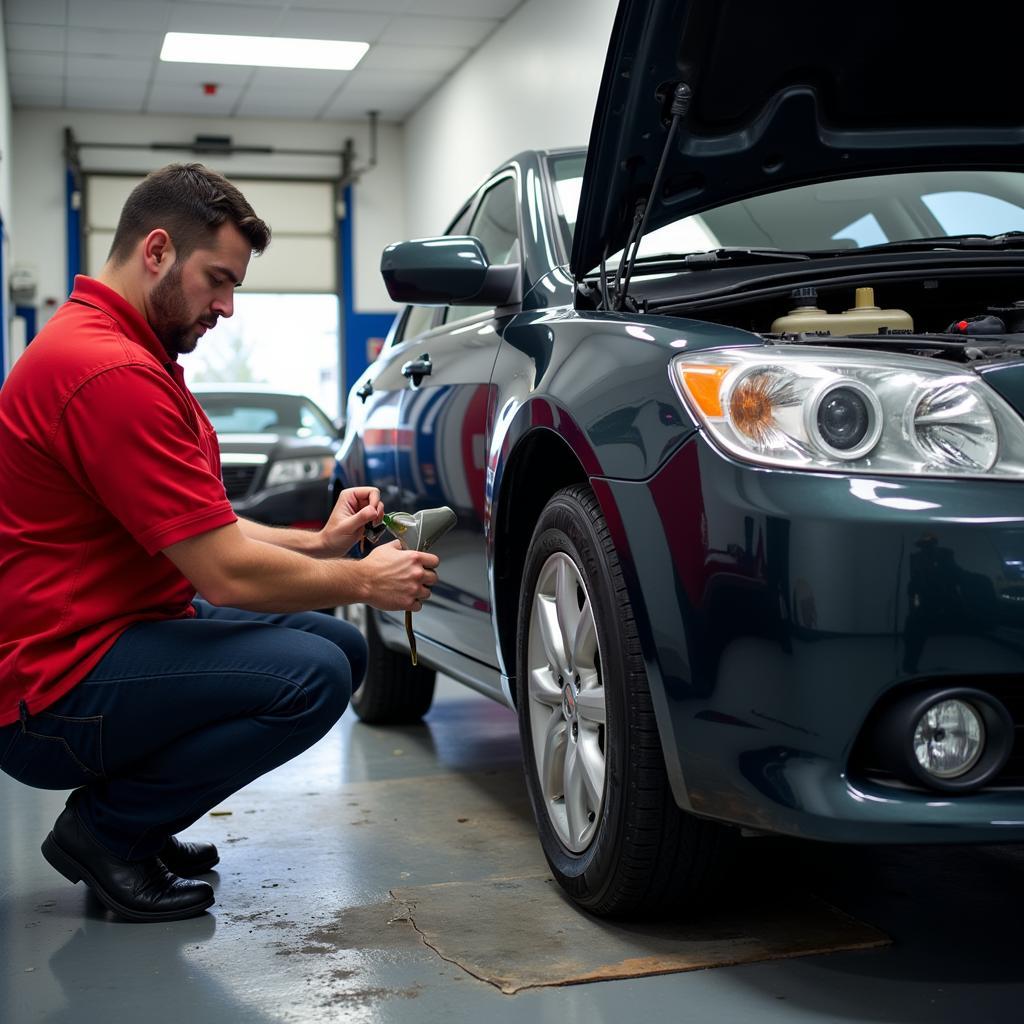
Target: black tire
[394,692]
[646,857]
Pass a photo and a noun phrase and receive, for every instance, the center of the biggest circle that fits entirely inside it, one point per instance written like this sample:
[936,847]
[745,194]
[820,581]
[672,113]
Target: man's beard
[169,316]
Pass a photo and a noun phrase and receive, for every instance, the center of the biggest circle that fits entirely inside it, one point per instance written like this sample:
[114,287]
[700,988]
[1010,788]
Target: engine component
[1012,316]
[864,318]
[978,325]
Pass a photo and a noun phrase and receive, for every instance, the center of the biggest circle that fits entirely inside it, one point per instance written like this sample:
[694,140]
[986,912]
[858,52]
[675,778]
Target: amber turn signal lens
[704,384]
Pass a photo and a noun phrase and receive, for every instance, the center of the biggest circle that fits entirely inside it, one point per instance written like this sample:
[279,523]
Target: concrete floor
[303,928]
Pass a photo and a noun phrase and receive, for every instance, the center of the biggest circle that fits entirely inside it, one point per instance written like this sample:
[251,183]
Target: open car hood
[786,94]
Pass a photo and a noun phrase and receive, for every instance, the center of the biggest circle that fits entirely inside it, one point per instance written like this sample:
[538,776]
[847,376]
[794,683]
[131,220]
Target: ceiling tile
[293,80]
[415,44]
[414,58]
[224,19]
[172,73]
[94,42]
[439,31]
[45,64]
[366,80]
[362,6]
[35,12]
[125,69]
[474,8]
[304,24]
[39,86]
[290,105]
[41,38]
[30,101]
[354,109]
[181,99]
[123,15]
[101,94]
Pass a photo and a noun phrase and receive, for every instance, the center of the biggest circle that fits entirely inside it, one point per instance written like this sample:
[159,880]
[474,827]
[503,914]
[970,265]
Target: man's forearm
[306,542]
[228,567]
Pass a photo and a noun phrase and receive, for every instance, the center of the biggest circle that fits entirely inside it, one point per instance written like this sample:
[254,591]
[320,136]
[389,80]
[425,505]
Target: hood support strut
[682,97]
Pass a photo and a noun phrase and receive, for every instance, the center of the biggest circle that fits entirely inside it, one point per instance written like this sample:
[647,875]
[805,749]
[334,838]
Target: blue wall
[357,328]
[74,220]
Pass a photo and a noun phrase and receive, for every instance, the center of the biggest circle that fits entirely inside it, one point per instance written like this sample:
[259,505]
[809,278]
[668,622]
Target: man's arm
[306,542]
[229,568]
[356,507]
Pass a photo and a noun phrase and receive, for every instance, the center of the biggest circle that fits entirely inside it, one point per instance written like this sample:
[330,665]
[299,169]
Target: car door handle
[365,391]
[417,369]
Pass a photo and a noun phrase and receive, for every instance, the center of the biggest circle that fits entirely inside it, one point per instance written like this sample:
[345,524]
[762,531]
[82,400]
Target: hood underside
[786,94]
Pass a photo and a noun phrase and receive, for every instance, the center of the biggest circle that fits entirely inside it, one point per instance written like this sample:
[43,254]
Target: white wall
[7,345]
[5,131]
[532,85]
[38,228]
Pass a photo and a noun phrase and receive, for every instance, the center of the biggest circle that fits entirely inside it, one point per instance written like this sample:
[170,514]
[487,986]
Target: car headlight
[292,471]
[850,411]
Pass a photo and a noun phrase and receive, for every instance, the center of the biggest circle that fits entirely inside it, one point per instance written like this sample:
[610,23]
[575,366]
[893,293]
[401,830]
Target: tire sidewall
[565,526]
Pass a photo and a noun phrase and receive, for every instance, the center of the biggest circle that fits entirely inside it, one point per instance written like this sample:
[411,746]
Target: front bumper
[302,504]
[776,610]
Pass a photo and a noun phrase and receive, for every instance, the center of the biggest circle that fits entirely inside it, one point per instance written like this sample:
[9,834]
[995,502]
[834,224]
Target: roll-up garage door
[302,256]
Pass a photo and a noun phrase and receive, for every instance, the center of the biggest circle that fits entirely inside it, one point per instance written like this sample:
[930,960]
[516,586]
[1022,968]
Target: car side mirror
[448,271]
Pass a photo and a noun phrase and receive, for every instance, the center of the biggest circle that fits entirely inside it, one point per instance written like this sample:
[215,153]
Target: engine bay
[994,332]
[965,312]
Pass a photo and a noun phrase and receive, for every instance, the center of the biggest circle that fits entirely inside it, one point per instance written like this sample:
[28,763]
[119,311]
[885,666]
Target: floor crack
[407,916]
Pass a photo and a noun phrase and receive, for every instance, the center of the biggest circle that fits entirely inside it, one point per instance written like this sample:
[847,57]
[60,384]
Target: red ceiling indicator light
[210,88]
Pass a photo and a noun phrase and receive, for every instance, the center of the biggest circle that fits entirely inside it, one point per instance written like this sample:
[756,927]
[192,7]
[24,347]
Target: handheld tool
[416,531]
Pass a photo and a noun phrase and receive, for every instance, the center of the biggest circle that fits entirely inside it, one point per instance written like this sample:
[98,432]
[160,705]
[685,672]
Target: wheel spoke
[584,642]
[565,606]
[550,633]
[544,689]
[552,772]
[591,762]
[575,794]
[590,705]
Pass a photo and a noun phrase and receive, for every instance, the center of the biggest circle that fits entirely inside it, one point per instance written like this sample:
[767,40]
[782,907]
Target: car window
[967,213]
[496,224]
[415,320]
[847,213]
[313,422]
[261,414]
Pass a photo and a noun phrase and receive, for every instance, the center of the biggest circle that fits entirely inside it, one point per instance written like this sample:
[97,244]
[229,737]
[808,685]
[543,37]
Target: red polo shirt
[105,459]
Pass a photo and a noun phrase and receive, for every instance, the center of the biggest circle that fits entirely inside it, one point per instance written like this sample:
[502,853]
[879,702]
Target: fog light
[949,739]
[953,739]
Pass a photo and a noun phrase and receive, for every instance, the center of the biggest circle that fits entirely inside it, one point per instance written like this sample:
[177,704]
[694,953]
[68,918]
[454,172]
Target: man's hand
[400,580]
[357,507]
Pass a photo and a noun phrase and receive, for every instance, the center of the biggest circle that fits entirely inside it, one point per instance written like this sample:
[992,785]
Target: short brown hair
[190,202]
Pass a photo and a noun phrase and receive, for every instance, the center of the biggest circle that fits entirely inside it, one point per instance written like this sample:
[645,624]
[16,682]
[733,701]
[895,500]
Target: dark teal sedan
[730,407]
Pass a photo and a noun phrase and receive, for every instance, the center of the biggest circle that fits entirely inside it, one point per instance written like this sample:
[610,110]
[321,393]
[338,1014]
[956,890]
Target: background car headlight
[861,412]
[291,471]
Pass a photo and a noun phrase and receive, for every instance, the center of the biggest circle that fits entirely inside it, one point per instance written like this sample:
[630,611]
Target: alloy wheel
[567,702]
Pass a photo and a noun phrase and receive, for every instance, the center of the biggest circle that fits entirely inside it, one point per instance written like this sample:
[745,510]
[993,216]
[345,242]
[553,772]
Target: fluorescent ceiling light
[262,51]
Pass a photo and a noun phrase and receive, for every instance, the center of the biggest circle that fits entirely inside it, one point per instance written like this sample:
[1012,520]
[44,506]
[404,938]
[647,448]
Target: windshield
[242,413]
[848,214]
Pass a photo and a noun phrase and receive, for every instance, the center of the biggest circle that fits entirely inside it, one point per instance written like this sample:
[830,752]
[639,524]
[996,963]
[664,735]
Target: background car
[277,452]
[737,455]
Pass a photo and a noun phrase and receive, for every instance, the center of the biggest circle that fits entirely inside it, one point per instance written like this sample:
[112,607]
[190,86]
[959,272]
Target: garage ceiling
[104,55]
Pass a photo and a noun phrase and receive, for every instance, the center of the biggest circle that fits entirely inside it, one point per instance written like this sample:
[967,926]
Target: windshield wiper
[727,254]
[1006,240]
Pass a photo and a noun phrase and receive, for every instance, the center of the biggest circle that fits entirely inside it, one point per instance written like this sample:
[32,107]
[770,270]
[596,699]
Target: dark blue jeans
[181,713]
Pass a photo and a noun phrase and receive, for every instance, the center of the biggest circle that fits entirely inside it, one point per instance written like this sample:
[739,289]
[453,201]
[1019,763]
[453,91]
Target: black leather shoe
[188,859]
[142,890]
